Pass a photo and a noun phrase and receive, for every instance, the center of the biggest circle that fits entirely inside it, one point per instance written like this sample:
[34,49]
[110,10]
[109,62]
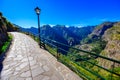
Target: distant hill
[62,33]
[66,35]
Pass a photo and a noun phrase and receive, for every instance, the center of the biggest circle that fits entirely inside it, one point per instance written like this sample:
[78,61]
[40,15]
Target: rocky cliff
[104,40]
[5,26]
[100,29]
[112,49]
[3,30]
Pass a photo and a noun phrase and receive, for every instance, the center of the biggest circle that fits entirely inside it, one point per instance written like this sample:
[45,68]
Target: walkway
[26,61]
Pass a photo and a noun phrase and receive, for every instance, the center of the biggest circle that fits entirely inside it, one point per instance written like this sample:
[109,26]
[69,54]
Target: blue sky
[64,12]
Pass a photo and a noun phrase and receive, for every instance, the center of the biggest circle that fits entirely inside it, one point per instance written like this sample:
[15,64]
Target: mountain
[66,35]
[62,33]
[100,29]
[112,49]
[104,40]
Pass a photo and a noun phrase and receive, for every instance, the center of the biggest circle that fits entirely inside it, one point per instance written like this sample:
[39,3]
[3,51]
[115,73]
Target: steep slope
[96,37]
[94,41]
[73,34]
[104,40]
[5,26]
[3,30]
[112,49]
[100,29]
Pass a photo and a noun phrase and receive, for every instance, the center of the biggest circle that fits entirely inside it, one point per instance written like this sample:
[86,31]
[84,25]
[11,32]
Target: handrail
[85,51]
[80,65]
[93,63]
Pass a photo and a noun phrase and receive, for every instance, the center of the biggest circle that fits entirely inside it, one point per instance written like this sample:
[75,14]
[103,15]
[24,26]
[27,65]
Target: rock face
[100,29]
[109,32]
[106,38]
[5,26]
[3,30]
[112,49]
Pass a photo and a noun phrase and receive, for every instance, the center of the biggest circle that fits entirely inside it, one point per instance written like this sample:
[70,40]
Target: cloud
[47,24]
[79,25]
[51,25]
[67,25]
[104,19]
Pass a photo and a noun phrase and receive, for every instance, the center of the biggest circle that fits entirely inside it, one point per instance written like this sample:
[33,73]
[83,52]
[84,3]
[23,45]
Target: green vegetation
[86,40]
[6,44]
[77,67]
[105,74]
[99,45]
[5,26]
[115,36]
[114,32]
[53,51]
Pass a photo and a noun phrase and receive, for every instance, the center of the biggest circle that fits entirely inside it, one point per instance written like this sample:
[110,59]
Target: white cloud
[79,25]
[104,19]
[67,25]
[51,25]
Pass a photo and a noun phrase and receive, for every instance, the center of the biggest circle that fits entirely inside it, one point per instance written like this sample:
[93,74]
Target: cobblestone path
[26,61]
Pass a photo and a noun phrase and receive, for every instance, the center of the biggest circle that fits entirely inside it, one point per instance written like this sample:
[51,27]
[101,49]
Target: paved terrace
[26,61]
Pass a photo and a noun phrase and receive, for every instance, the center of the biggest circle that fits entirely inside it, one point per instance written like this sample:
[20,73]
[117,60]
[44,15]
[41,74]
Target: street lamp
[38,10]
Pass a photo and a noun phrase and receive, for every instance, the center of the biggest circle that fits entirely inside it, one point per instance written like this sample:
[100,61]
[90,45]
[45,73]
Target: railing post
[57,52]
[113,65]
[44,45]
[34,36]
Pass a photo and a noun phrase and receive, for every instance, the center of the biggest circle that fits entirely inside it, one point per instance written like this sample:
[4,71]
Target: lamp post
[38,10]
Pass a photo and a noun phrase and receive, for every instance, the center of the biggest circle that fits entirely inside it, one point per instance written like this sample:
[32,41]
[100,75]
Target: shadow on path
[2,57]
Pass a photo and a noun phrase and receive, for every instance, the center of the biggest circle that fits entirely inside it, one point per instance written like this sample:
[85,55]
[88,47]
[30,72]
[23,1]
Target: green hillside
[5,27]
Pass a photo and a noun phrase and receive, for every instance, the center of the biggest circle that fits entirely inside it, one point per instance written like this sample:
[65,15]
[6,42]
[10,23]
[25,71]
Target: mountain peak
[100,29]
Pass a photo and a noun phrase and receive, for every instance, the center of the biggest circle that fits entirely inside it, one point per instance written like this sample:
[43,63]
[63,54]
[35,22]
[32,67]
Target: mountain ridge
[74,34]
[104,40]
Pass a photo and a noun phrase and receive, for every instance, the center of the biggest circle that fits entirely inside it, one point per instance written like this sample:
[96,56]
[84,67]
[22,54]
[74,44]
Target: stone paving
[26,61]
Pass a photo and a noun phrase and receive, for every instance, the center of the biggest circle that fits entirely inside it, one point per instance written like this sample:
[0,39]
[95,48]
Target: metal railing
[112,73]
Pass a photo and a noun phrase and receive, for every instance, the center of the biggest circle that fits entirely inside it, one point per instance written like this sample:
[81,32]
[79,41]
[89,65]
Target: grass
[81,71]
[115,36]
[6,44]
